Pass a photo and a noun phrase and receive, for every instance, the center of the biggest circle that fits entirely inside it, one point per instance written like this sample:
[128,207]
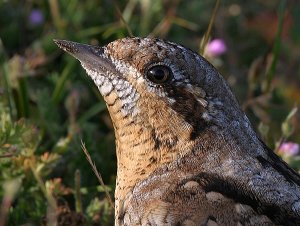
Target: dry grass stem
[98,175]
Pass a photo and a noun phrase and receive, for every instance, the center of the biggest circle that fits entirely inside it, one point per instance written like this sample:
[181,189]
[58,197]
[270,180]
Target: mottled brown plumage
[187,154]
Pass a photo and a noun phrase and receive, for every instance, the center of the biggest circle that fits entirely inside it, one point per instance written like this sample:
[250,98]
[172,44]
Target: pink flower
[288,149]
[215,47]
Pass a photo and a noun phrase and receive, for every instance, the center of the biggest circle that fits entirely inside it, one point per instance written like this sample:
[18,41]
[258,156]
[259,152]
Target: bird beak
[91,57]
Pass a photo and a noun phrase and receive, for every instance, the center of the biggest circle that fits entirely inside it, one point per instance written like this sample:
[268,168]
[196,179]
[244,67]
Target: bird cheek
[106,88]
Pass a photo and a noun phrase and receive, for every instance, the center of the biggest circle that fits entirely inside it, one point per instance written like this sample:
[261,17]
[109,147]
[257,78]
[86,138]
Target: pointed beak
[91,57]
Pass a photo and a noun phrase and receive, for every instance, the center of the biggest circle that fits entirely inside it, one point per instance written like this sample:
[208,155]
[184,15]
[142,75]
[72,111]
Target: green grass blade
[276,48]
[22,98]
[58,90]
[94,110]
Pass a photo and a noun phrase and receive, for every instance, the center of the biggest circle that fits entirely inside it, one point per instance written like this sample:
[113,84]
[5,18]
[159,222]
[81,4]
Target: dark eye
[159,74]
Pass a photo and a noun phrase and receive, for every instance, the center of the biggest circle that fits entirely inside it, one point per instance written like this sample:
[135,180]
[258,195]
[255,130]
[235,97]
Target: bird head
[157,83]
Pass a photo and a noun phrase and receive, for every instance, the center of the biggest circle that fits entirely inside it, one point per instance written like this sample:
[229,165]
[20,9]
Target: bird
[186,152]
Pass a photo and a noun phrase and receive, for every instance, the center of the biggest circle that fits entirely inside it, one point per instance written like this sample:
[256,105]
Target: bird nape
[187,154]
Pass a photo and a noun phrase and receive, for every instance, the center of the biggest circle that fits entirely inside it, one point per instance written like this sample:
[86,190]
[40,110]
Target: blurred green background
[48,104]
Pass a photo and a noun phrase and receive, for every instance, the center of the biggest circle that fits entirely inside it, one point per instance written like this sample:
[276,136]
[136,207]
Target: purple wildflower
[215,47]
[36,17]
[289,149]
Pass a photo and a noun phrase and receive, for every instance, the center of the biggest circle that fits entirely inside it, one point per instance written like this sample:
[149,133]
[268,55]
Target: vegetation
[48,105]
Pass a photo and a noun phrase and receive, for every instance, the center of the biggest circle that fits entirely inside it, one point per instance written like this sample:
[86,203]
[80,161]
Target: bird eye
[159,74]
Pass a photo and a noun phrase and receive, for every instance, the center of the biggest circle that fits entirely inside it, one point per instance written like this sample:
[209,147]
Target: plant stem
[208,31]
[78,202]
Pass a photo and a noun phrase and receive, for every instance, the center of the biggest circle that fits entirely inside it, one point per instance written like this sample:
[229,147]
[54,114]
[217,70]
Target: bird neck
[143,147]
[146,144]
